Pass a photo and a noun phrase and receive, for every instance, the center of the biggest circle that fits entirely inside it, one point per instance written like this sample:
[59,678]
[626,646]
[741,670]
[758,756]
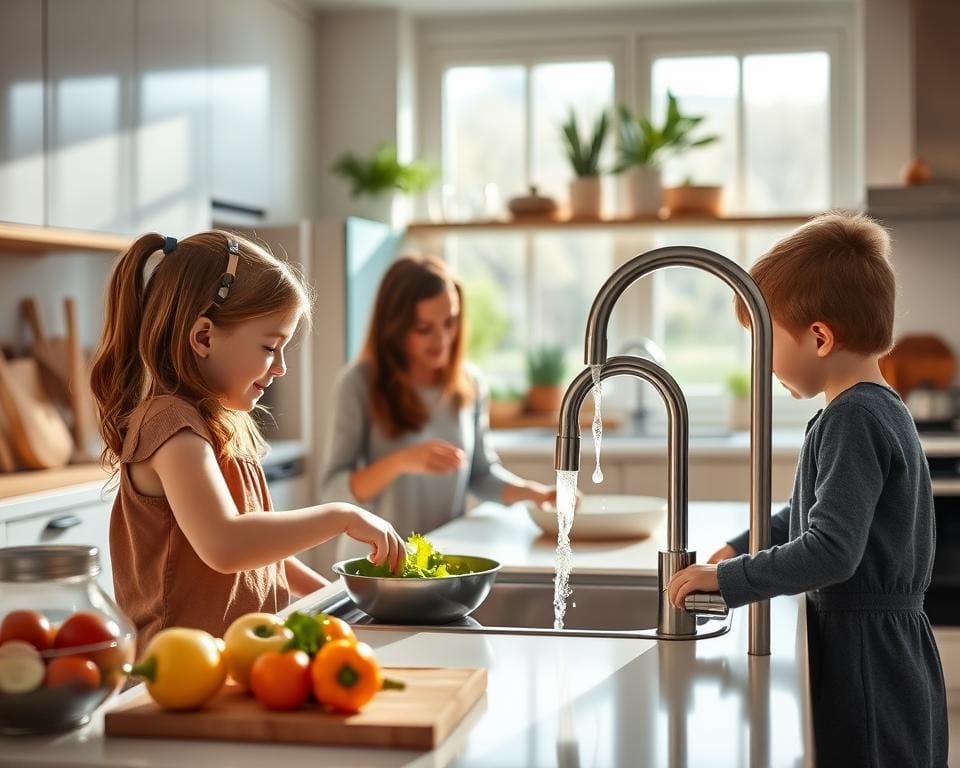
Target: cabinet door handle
[61,523]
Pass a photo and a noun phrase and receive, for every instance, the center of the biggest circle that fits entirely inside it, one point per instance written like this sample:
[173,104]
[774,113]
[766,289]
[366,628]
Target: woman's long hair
[145,349]
[396,406]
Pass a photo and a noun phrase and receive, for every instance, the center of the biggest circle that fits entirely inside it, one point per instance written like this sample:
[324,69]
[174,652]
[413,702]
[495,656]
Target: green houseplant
[642,147]
[738,385]
[383,172]
[584,157]
[546,369]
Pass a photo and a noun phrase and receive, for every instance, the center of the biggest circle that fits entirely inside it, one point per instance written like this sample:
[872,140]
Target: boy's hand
[724,553]
[693,578]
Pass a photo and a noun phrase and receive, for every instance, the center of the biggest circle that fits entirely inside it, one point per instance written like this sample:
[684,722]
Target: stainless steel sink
[522,604]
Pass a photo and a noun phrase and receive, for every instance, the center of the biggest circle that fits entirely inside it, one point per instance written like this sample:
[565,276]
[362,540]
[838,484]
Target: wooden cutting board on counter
[419,717]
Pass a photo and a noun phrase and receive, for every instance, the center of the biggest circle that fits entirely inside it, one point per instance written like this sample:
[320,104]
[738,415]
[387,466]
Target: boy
[858,533]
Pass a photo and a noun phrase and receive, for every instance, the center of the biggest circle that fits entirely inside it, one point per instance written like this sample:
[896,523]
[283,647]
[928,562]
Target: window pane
[787,131]
[587,88]
[492,269]
[694,320]
[708,86]
[483,137]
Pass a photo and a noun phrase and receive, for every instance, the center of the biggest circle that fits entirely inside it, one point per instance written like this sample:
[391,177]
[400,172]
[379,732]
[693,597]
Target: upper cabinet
[126,116]
[21,111]
[90,78]
[172,182]
[240,83]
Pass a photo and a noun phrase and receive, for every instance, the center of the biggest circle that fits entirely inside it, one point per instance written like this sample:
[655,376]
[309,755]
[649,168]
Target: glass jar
[64,644]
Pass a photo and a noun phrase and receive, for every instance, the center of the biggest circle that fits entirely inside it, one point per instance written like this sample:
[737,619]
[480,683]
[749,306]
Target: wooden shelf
[534,223]
[28,238]
[37,480]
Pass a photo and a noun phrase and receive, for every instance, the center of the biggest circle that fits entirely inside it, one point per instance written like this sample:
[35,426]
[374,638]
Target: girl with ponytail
[194,333]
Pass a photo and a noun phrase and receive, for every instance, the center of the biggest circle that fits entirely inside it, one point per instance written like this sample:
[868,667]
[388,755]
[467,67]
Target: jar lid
[45,562]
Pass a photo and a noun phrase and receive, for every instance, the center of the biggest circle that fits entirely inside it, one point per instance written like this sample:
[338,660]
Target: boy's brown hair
[835,269]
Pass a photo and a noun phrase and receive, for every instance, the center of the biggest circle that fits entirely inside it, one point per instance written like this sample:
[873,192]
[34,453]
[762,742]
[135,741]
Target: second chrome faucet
[674,622]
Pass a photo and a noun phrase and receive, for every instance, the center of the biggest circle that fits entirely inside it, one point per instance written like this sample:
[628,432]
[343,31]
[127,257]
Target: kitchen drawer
[89,524]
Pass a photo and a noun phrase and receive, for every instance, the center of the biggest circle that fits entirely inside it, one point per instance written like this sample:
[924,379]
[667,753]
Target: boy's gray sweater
[858,537]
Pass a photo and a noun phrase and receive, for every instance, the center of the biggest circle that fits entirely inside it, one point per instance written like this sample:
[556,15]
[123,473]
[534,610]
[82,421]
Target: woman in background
[410,426]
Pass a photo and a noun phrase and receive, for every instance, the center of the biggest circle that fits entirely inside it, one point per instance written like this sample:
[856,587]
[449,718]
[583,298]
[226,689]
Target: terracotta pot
[585,197]
[689,200]
[544,399]
[644,191]
[738,417]
[502,411]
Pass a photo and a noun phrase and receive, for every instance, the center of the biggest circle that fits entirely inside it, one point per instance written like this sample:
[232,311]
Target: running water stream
[566,501]
[597,421]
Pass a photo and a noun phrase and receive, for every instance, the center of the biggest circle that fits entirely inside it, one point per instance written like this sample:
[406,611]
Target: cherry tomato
[76,671]
[336,629]
[281,681]
[84,629]
[30,626]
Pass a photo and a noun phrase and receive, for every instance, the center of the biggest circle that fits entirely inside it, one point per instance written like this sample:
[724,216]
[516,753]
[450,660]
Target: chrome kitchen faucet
[674,622]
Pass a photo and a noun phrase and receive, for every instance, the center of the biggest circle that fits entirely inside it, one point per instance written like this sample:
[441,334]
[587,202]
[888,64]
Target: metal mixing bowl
[395,600]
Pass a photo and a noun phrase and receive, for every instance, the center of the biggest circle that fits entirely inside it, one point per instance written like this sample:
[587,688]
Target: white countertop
[564,701]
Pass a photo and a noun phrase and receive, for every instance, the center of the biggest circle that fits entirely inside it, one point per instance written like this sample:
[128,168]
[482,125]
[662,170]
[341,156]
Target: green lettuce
[423,561]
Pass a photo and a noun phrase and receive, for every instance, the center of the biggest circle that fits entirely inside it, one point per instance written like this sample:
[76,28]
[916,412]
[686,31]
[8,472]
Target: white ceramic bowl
[600,518]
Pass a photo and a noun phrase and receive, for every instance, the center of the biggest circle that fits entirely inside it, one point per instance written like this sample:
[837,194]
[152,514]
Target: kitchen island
[563,701]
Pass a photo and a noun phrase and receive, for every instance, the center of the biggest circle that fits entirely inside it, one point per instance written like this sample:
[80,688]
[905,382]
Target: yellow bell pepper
[184,668]
[250,636]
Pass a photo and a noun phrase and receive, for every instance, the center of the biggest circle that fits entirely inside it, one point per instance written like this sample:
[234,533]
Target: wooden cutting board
[419,717]
[37,430]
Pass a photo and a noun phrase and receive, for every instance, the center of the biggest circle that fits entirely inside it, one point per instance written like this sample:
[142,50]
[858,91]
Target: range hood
[936,62]
[933,200]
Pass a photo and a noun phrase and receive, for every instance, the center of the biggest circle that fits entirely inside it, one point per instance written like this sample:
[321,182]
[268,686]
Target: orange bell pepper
[346,675]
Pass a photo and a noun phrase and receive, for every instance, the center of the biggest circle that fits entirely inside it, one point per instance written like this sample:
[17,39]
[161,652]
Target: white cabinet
[172,189]
[240,82]
[21,112]
[90,70]
[88,523]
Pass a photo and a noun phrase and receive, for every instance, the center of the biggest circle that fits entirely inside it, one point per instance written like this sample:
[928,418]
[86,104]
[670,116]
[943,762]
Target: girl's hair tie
[153,261]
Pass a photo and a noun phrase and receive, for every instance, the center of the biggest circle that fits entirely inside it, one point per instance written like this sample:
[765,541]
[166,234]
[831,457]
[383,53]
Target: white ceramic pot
[644,191]
[585,197]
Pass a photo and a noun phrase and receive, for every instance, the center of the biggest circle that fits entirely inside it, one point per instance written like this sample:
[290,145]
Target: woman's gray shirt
[412,502]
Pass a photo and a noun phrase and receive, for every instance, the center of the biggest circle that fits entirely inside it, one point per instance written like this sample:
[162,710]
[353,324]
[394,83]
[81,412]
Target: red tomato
[281,681]
[74,671]
[29,626]
[83,629]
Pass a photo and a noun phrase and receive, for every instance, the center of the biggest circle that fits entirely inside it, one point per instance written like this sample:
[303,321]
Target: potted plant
[546,367]
[691,199]
[738,385]
[382,174]
[642,147]
[506,404]
[585,159]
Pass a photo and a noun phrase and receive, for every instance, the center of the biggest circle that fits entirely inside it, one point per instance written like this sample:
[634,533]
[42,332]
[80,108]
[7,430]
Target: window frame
[632,41]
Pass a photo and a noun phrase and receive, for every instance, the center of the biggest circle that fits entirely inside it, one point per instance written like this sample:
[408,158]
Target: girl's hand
[385,543]
[724,553]
[693,578]
[433,457]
